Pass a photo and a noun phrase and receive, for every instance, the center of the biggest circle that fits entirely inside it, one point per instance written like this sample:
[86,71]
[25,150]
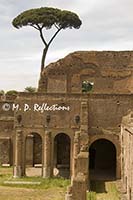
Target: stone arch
[114,140]
[69,133]
[33,152]
[62,151]
[111,138]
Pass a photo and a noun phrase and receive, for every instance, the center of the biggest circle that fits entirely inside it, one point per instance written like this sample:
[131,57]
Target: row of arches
[62,146]
[102,156]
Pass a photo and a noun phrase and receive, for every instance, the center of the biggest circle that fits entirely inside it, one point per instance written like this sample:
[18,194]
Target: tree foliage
[12,92]
[2,92]
[30,89]
[47,17]
[87,86]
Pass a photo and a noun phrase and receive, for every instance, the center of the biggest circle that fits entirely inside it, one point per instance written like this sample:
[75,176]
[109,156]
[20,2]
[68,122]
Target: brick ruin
[74,133]
[127,155]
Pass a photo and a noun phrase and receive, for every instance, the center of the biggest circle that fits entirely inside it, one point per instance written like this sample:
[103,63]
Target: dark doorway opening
[33,154]
[62,155]
[102,160]
[92,158]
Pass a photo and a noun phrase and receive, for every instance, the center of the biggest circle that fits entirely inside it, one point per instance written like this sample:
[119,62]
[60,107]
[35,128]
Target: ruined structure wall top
[110,71]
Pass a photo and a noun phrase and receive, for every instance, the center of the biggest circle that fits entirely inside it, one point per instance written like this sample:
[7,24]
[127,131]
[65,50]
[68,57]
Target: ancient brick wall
[5,147]
[6,129]
[105,111]
[61,84]
[109,71]
[127,155]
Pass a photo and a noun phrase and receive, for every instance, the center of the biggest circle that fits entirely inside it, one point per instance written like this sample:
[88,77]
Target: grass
[102,190]
[91,196]
[45,183]
[6,175]
[49,189]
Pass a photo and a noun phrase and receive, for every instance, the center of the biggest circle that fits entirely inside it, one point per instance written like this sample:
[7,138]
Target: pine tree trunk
[43,58]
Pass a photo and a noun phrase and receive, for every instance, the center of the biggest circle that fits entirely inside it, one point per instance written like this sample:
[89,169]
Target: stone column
[68,195]
[46,171]
[29,150]
[84,117]
[84,137]
[82,163]
[76,150]
[18,172]
[78,188]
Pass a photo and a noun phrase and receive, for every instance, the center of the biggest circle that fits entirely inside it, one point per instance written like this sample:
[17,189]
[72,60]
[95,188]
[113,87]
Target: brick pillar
[81,179]
[84,117]
[68,195]
[84,137]
[46,173]
[76,149]
[18,168]
[78,188]
[29,150]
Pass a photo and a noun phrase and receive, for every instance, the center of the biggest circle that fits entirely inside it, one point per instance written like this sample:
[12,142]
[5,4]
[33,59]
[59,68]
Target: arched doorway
[62,155]
[102,160]
[33,154]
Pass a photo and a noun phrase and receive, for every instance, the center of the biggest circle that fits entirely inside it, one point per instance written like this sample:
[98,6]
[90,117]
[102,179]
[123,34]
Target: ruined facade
[65,129]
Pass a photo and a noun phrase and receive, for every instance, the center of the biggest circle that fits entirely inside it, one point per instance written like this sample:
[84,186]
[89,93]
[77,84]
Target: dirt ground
[110,192]
[11,193]
[104,190]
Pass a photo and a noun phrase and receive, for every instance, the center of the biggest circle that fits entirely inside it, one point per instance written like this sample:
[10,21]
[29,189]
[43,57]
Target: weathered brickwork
[62,113]
[127,154]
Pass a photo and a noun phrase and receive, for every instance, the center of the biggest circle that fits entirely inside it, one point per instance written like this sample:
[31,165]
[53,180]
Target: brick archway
[62,147]
[114,140]
[33,153]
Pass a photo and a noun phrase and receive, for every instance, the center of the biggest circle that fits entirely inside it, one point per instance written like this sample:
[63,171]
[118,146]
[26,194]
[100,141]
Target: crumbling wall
[109,71]
[5,147]
[127,155]
[6,129]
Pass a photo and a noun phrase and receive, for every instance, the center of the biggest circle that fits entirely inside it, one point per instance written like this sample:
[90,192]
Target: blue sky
[107,25]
